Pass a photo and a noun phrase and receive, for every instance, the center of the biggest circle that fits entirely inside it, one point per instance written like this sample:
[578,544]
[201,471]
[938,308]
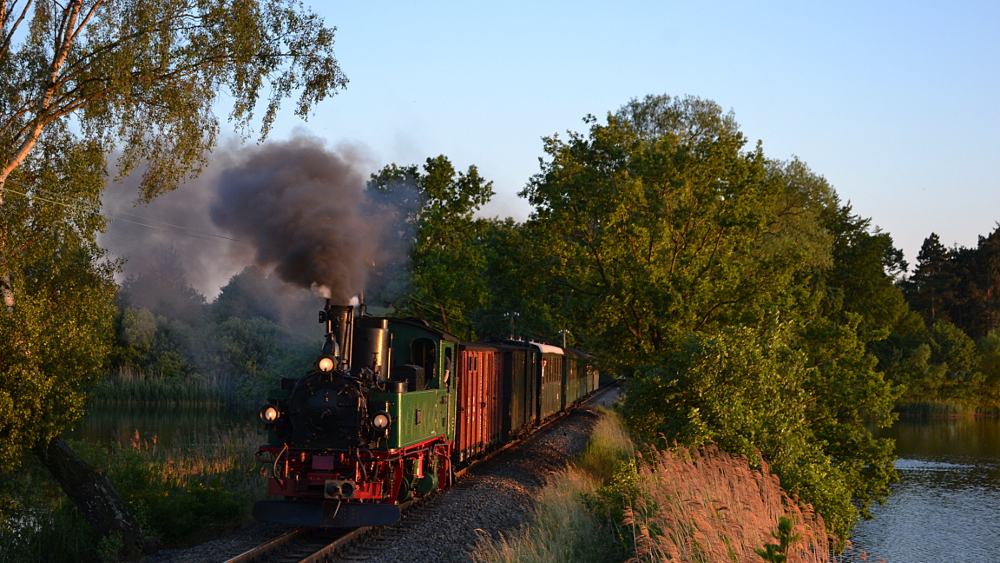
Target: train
[392,409]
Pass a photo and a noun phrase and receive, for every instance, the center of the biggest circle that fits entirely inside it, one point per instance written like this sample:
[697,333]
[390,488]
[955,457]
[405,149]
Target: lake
[946,506]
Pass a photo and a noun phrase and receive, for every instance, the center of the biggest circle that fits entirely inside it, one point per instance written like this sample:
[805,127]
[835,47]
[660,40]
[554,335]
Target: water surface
[946,506]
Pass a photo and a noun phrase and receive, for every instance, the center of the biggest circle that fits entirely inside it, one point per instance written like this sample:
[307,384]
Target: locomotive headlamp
[325,363]
[381,420]
[269,414]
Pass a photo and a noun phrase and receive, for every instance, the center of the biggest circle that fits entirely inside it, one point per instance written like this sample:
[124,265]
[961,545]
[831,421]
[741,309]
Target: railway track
[312,545]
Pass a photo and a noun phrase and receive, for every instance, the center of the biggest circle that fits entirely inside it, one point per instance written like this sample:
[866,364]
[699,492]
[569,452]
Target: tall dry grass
[708,506]
[560,530]
[221,456]
[608,448]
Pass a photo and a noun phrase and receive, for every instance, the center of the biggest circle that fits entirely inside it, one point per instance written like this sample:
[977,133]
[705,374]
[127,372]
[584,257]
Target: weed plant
[181,496]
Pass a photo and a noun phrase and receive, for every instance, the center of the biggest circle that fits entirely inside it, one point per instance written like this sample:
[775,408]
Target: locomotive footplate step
[327,514]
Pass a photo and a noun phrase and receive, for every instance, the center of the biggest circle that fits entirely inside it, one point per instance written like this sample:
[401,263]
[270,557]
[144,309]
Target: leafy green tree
[446,259]
[659,223]
[989,366]
[753,393]
[78,79]
[737,292]
[980,272]
[54,342]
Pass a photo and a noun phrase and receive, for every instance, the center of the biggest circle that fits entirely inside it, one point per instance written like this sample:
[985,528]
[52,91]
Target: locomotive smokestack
[339,332]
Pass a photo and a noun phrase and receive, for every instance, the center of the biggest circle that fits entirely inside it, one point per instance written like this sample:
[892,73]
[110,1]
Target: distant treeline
[952,354]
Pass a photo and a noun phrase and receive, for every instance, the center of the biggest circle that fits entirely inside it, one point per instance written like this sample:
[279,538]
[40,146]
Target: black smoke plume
[302,208]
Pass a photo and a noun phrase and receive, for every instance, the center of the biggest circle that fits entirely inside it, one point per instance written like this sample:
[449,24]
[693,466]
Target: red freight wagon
[480,400]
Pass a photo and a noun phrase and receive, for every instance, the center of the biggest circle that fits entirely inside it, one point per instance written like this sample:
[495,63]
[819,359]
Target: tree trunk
[92,492]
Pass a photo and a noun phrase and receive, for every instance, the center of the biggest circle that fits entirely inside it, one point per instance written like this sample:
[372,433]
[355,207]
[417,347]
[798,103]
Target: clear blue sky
[895,103]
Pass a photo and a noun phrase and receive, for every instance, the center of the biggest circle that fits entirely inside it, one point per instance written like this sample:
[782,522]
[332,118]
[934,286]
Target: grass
[615,504]
[707,506]
[181,496]
[561,528]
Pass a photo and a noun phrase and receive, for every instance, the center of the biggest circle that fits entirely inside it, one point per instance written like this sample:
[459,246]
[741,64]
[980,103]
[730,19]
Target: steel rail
[349,535]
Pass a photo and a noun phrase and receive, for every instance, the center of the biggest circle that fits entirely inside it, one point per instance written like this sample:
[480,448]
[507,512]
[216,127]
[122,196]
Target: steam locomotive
[393,407]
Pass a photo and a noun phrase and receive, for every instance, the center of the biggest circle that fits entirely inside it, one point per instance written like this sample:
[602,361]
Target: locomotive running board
[326,514]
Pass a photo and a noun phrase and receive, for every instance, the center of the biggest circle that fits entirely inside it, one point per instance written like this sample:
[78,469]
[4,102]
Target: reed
[708,506]
[678,505]
[927,409]
[133,386]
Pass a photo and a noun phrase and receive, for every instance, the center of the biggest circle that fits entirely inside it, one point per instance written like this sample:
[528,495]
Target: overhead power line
[114,216]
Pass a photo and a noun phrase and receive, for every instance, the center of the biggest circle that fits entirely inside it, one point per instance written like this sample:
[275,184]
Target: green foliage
[53,343]
[752,394]
[146,75]
[660,223]
[607,449]
[189,514]
[447,259]
[960,285]
[180,497]
[778,553]
[231,351]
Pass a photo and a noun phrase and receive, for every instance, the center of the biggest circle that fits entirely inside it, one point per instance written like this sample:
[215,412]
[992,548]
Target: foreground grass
[682,505]
[181,496]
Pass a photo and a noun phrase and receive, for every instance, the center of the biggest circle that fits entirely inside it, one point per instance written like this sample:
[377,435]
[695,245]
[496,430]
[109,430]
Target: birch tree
[78,80]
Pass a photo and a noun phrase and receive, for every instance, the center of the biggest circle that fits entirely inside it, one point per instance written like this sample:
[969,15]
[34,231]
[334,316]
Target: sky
[895,103]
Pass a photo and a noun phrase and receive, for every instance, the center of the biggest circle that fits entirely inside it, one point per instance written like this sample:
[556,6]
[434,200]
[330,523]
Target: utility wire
[93,208]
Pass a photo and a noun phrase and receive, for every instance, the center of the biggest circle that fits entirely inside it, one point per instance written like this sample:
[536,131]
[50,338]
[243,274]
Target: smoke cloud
[302,208]
[175,223]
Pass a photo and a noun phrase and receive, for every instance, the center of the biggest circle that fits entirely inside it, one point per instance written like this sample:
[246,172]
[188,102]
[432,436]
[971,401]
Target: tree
[660,223]
[736,292]
[447,261]
[78,79]
[753,393]
[930,288]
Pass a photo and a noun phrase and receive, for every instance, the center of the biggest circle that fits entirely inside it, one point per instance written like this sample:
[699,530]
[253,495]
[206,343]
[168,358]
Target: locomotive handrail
[274,468]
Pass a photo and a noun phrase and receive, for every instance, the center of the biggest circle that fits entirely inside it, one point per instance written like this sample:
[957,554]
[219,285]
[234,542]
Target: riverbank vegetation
[173,347]
[664,505]
[181,496]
